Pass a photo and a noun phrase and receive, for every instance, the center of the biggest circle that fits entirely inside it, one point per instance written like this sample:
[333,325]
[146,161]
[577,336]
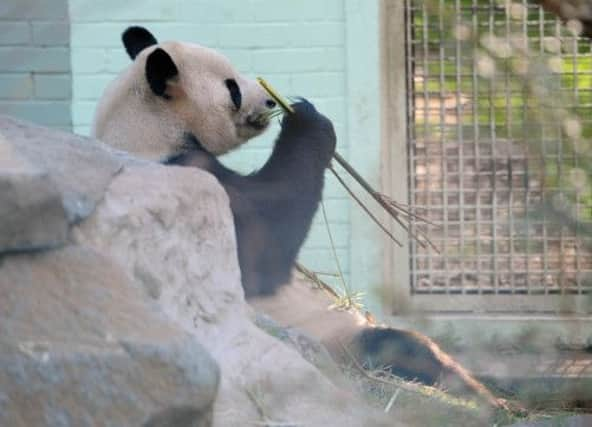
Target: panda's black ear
[160,69]
[136,39]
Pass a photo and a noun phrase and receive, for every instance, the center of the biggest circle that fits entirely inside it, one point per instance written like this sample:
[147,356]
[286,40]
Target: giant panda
[183,104]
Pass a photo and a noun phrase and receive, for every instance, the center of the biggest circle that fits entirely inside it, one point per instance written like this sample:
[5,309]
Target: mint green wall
[325,50]
[364,98]
[35,80]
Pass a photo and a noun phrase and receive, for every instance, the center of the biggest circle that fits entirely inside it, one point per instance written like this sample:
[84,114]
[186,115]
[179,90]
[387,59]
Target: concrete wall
[35,80]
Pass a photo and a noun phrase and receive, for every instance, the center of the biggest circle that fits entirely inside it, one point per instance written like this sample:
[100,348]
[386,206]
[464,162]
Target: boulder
[81,168]
[171,229]
[107,328]
[80,346]
[48,180]
[79,342]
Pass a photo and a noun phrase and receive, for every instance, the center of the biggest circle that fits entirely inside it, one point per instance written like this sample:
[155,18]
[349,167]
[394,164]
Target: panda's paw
[303,108]
[305,115]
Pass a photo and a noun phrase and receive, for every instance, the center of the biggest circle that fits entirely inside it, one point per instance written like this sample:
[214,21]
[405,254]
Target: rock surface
[175,237]
[31,211]
[48,180]
[80,167]
[309,347]
[79,346]
[107,329]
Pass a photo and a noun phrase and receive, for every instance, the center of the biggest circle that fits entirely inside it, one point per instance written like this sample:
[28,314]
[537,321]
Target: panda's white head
[172,89]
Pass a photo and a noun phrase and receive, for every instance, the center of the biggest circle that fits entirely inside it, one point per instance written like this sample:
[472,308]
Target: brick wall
[298,46]
[35,80]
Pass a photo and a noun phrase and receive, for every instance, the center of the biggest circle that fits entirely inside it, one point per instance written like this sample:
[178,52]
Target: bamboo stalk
[363,206]
[314,278]
[276,96]
[394,209]
[380,199]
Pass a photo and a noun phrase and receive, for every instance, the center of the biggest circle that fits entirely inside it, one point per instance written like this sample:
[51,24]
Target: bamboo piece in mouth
[276,96]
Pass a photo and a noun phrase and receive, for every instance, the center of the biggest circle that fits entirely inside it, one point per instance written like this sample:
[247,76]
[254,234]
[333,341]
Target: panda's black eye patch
[235,92]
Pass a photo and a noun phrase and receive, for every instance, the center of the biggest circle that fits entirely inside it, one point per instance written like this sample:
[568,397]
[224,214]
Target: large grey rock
[48,180]
[82,168]
[79,346]
[171,229]
[105,331]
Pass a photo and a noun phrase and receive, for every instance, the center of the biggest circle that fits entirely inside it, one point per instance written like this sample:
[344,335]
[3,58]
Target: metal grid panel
[470,167]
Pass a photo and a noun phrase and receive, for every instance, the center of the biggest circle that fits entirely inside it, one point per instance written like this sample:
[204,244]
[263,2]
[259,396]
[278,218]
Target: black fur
[160,68]
[406,354]
[273,208]
[136,39]
[235,93]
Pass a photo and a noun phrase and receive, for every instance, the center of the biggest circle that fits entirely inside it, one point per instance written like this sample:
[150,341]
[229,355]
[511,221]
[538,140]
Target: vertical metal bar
[457,57]
[560,174]
[526,246]
[476,138]
[576,100]
[542,189]
[541,22]
[509,123]
[443,172]
[459,130]
[411,124]
[492,131]
[426,106]
[411,134]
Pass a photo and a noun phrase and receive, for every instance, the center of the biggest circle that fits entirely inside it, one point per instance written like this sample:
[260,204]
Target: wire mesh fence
[485,158]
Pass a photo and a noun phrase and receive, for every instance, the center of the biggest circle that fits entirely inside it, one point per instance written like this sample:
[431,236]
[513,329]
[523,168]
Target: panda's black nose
[270,103]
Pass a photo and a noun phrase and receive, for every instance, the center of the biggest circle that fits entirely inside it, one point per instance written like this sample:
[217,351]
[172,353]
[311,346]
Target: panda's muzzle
[259,122]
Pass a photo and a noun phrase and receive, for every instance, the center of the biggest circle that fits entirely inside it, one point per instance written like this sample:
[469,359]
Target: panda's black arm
[195,155]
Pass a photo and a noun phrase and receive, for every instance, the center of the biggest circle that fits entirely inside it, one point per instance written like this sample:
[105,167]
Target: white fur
[130,117]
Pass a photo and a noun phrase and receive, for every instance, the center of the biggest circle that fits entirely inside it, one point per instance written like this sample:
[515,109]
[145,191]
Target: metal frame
[394,149]
[512,287]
